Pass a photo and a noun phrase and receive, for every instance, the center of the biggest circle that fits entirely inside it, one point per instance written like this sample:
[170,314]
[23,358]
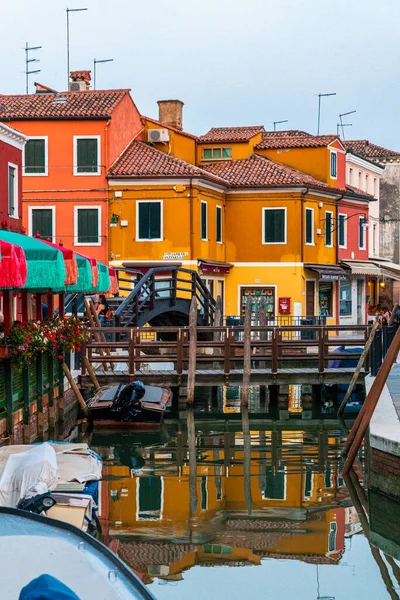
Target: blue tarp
[47,587]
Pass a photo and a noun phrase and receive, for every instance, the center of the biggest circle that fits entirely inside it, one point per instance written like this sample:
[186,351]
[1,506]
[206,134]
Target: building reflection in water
[223,494]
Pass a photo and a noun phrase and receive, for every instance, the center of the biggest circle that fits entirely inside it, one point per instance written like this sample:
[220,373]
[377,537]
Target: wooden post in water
[76,391]
[192,350]
[91,372]
[263,323]
[192,462]
[247,459]
[246,353]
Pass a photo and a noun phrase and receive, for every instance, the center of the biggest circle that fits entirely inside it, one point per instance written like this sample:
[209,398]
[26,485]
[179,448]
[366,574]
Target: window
[328,228]
[342,231]
[204,493]
[374,239]
[325,298]
[149,497]
[12,191]
[308,482]
[204,221]
[328,476]
[274,225]
[375,187]
[35,156]
[309,226]
[359,180]
[87,155]
[218,219]
[333,165]
[42,221]
[350,176]
[149,221]
[275,484]
[87,225]
[345,298]
[366,182]
[332,537]
[216,153]
[361,233]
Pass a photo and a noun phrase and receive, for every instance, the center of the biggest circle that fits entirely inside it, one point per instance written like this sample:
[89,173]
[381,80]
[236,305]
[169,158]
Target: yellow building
[244,216]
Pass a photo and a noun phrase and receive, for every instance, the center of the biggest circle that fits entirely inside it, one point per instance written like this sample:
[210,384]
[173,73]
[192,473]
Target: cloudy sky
[232,62]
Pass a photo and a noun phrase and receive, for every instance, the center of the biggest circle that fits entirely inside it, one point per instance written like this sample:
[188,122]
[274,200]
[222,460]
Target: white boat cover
[29,470]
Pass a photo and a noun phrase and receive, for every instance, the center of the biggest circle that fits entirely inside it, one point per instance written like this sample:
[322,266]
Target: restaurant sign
[174,255]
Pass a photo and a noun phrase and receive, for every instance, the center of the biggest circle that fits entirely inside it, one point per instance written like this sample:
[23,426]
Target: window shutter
[275,484]
[219,224]
[341,230]
[328,229]
[11,191]
[88,226]
[309,226]
[274,226]
[42,222]
[144,220]
[155,220]
[87,161]
[35,159]
[203,221]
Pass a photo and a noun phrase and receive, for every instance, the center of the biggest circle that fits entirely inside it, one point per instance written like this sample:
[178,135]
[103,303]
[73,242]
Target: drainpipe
[337,260]
[303,199]
[191,219]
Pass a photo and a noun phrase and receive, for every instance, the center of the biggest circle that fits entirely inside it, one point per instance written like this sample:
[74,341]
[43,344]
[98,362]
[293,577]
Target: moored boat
[134,405]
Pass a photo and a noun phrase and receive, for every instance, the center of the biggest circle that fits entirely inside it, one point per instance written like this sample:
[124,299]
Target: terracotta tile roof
[271,142]
[63,105]
[370,151]
[356,191]
[259,171]
[231,134]
[180,131]
[141,160]
[285,133]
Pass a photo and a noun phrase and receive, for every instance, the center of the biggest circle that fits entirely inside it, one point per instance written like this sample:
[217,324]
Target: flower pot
[3,352]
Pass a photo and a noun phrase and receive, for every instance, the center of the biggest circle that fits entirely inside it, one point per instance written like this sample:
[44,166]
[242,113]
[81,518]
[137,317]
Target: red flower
[60,357]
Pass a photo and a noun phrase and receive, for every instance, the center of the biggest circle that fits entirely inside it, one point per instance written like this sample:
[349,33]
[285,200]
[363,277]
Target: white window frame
[161,238]
[263,210]
[218,206]
[75,153]
[53,220]
[345,229]
[330,212]
[16,189]
[312,243]
[364,246]
[201,224]
[83,207]
[158,518]
[222,148]
[46,157]
[330,164]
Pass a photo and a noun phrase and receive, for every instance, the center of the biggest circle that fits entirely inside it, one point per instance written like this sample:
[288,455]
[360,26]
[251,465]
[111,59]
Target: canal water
[225,503]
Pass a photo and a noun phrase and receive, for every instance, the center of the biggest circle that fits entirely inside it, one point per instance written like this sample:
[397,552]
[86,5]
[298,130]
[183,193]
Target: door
[360,303]
[310,298]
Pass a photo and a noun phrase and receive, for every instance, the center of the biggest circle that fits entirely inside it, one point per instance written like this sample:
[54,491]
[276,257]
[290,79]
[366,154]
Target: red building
[12,143]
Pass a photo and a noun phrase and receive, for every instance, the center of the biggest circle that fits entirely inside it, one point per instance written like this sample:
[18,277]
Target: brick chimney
[77,76]
[170,112]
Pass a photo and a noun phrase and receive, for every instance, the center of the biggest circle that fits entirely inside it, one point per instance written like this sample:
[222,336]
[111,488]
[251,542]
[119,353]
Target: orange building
[73,138]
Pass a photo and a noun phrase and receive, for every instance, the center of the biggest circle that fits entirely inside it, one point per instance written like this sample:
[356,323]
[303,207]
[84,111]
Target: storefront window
[325,299]
[345,298]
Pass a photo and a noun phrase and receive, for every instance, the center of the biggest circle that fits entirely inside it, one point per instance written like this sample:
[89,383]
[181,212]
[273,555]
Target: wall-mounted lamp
[114,220]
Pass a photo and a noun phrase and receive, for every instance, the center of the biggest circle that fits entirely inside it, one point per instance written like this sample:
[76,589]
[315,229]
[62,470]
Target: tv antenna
[340,126]
[96,62]
[28,61]
[69,10]
[351,112]
[279,122]
[319,106]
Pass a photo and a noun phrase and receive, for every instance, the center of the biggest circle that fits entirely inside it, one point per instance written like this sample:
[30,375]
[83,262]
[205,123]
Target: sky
[232,63]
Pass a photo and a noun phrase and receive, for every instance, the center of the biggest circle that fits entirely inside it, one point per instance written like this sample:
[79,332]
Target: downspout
[337,260]
[191,219]
[107,211]
[303,199]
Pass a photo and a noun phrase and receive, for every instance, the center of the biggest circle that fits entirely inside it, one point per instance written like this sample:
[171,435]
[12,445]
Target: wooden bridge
[160,355]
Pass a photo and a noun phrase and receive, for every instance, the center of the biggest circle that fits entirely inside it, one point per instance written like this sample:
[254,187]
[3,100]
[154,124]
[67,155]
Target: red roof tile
[230,134]
[259,171]
[63,105]
[180,131]
[356,191]
[141,160]
[370,151]
[285,133]
[276,142]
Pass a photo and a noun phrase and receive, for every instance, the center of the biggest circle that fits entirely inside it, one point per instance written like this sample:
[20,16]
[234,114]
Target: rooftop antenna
[341,125]
[68,10]
[96,62]
[279,122]
[27,63]
[351,112]
[319,107]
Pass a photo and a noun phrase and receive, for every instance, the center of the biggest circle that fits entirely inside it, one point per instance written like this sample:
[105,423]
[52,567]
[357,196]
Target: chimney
[80,76]
[170,112]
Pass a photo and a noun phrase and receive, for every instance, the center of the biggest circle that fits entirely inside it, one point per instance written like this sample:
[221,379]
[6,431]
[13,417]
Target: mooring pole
[246,353]
[191,432]
[192,350]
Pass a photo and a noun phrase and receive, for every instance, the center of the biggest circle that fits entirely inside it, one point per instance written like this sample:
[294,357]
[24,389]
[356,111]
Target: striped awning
[364,267]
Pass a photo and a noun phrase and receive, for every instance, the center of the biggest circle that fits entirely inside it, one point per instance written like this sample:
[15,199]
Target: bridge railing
[222,348]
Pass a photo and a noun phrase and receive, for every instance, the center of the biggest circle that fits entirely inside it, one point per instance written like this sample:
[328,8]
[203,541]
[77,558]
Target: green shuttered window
[150,494]
[87,155]
[42,222]
[275,484]
[204,221]
[218,217]
[149,221]
[328,228]
[274,226]
[88,226]
[333,165]
[12,191]
[342,231]
[309,226]
[35,157]
[361,234]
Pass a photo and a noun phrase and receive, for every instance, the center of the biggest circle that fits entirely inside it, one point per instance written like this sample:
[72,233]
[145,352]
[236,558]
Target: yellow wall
[238,149]
[180,145]
[314,161]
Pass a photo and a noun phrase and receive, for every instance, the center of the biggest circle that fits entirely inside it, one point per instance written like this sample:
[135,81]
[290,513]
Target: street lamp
[68,10]
[319,106]
[96,62]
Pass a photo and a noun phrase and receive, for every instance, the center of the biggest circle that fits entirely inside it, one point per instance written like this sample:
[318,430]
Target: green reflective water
[223,503]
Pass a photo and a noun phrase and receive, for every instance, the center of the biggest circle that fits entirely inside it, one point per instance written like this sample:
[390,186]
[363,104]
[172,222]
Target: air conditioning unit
[158,135]
[77,86]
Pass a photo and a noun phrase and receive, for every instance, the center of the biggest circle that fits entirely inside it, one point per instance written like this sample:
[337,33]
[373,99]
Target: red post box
[284,306]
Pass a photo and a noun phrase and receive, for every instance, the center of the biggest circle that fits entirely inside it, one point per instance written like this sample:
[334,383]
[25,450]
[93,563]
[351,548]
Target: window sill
[13,216]
[88,174]
[35,174]
[87,244]
[274,243]
[214,159]
[149,240]
[342,247]
[309,243]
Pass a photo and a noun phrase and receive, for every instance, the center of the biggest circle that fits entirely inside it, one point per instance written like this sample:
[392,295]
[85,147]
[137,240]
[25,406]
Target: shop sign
[174,255]
[333,277]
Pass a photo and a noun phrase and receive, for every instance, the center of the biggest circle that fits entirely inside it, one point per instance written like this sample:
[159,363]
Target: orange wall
[124,125]
[180,145]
